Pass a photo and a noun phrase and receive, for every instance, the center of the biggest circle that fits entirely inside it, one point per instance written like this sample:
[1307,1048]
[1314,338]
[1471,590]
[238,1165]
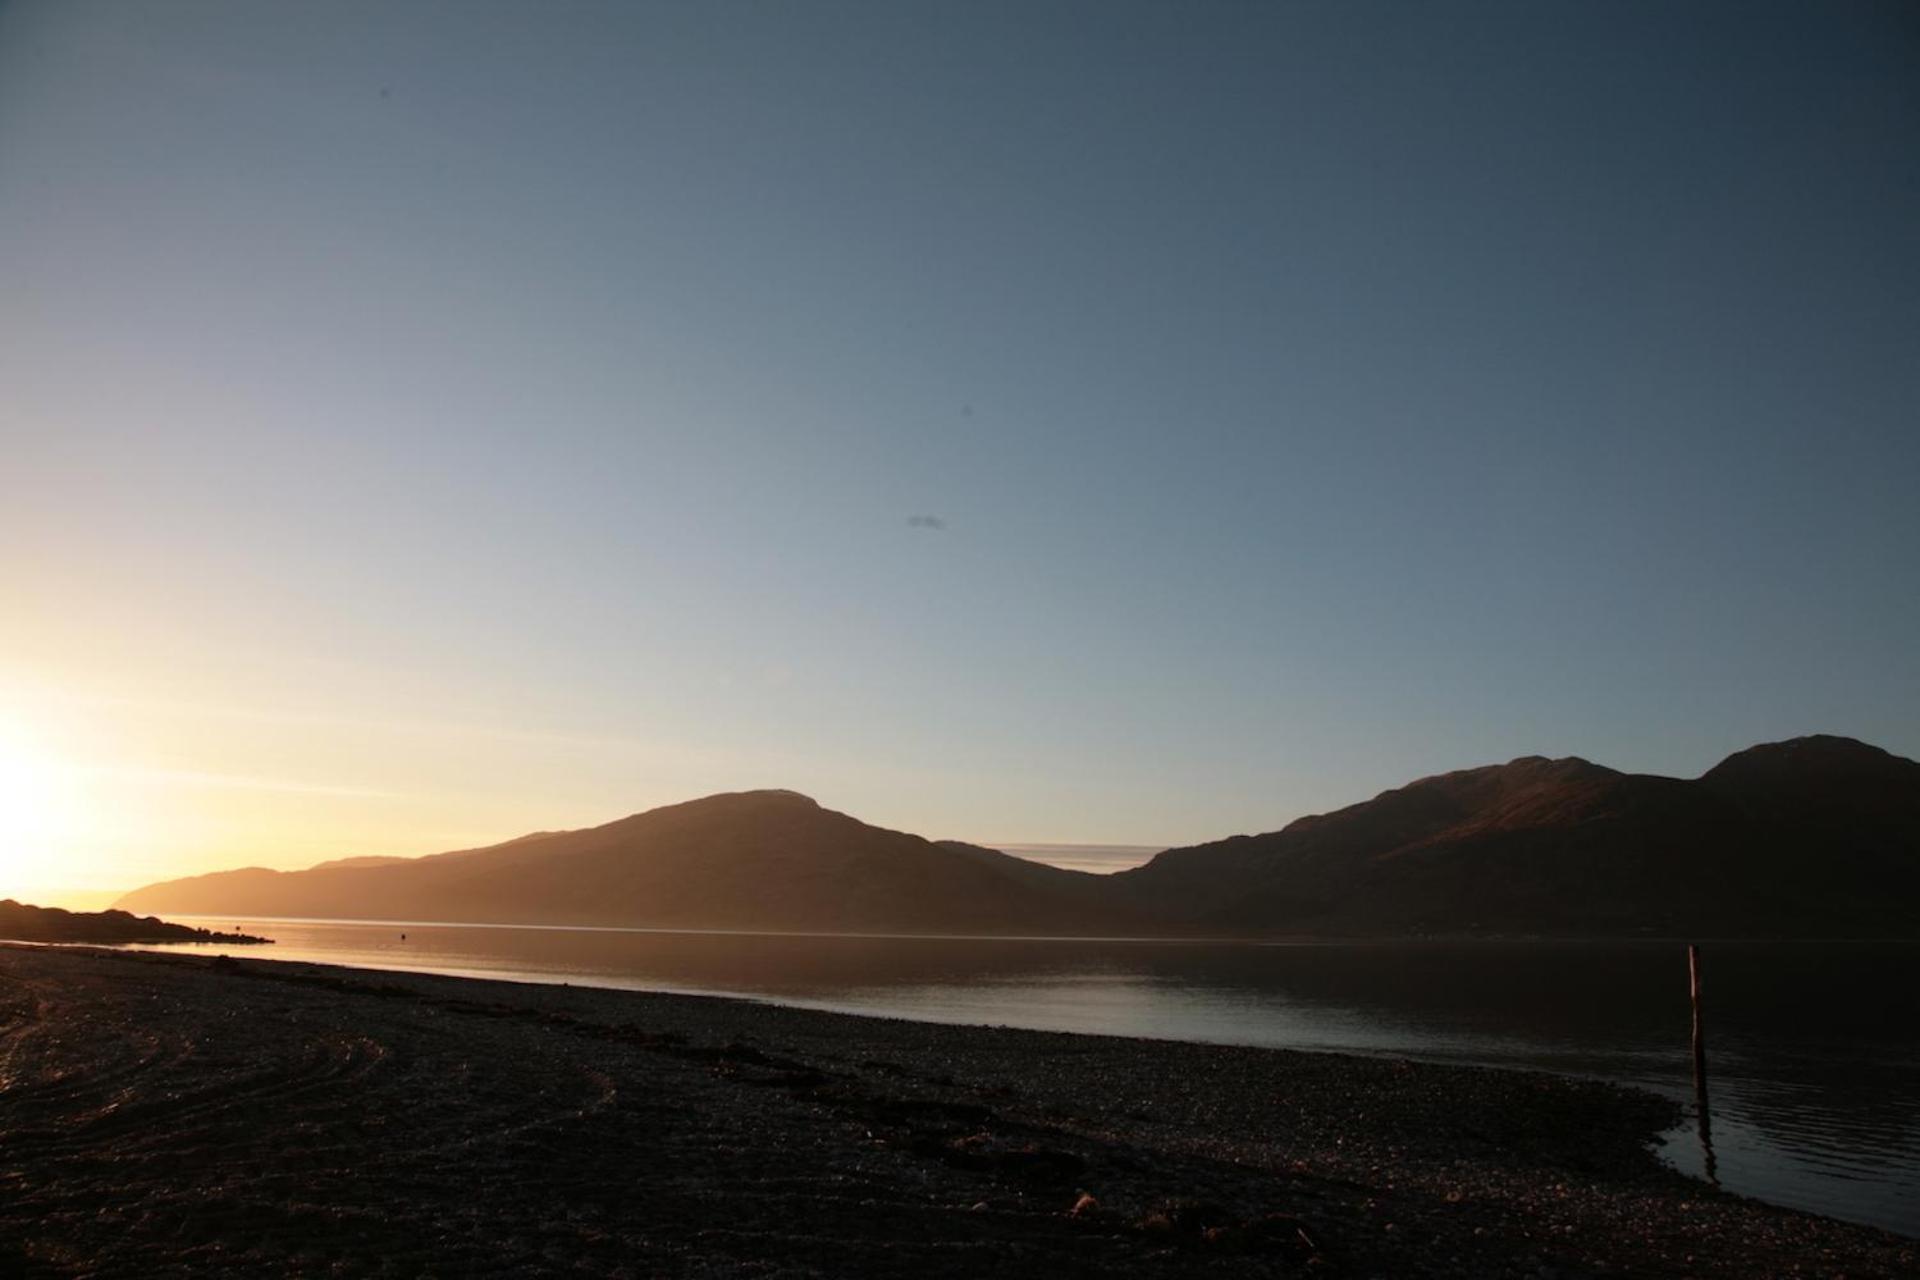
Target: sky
[422,423]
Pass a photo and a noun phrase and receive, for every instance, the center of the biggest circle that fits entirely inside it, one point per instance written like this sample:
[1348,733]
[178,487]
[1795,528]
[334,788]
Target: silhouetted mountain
[771,860]
[22,923]
[1817,836]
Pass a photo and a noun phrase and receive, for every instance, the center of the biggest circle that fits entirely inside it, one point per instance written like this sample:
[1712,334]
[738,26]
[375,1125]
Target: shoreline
[167,1111]
[1199,939]
[23,922]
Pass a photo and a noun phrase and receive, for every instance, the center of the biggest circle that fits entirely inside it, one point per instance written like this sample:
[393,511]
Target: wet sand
[190,1115]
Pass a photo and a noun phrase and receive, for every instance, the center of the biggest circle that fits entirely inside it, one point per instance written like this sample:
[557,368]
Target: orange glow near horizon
[97,800]
[106,787]
[39,812]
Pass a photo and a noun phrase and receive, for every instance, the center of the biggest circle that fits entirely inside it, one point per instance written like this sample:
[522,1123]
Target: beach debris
[1186,1218]
[1209,1225]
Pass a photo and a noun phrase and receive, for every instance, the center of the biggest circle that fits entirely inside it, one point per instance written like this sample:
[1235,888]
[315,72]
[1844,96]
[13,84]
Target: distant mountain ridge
[1817,836]
[753,860]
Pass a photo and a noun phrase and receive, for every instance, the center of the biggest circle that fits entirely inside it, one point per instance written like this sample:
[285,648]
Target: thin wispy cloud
[311,719]
[238,782]
[925,522]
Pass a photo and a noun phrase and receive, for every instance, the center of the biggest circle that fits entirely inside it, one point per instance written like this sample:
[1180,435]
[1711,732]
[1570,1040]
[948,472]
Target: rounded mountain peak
[1818,753]
[773,794]
[760,795]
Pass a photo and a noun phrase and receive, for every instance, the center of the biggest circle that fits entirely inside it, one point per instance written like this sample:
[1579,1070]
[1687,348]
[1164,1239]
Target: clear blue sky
[1313,396]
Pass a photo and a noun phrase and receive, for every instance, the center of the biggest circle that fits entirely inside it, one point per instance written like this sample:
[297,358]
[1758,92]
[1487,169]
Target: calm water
[1815,1047]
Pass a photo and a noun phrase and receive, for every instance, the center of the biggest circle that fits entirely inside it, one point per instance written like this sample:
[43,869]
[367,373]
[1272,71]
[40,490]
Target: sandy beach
[193,1115]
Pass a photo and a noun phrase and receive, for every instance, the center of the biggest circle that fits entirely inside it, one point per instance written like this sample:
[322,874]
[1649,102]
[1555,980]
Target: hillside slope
[770,860]
[1816,836]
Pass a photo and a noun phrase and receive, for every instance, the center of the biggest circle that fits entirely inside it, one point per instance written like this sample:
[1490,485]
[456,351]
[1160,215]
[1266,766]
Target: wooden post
[1699,1031]
[1700,1063]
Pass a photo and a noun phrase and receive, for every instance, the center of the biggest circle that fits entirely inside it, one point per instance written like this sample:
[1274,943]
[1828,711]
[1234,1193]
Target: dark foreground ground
[170,1115]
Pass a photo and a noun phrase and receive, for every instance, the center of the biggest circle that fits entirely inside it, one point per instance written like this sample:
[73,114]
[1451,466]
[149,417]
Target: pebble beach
[195,1114]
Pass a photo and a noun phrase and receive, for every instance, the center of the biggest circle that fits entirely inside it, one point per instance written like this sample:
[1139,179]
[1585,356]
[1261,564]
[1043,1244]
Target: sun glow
[36,811]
